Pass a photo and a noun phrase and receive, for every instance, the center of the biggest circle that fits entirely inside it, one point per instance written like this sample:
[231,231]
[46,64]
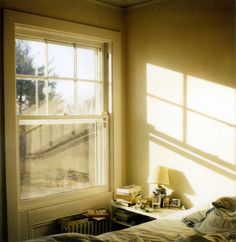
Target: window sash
[98,72]
[42,149]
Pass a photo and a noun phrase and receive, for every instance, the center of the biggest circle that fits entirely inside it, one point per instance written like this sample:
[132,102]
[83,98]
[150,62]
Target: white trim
[56,117]
[10,129]
[58,121]
[54,78]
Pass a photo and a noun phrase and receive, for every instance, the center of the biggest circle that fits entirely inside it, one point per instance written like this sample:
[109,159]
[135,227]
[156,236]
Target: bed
[217,224]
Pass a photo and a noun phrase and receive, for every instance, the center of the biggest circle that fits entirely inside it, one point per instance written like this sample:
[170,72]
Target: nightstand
[122,216]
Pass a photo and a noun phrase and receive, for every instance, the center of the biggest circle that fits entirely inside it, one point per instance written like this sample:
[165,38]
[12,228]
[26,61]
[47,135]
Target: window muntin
[58,155]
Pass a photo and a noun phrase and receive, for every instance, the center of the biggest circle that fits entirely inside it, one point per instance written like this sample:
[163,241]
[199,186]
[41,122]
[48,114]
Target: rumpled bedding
[163,230]
[203,238]
[217,224]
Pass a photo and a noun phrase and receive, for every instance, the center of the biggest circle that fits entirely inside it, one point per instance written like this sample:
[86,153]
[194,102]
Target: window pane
[89,96]
[57,157]
[60,60]
[42,104]
[30,56]
[61,97]
[26,97]
[87,64]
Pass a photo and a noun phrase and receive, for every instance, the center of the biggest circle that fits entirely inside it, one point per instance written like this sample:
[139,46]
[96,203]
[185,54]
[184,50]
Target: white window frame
[102,117]
[59,28]
[60,38]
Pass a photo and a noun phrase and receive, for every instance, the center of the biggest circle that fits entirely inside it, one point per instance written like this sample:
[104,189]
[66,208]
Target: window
[63,120]
[60,108]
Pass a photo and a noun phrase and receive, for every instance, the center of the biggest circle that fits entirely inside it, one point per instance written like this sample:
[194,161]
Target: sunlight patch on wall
[165,117]
[211,121]
[159,81]
[212,137]
[211,99]
[199,113]
[164,110]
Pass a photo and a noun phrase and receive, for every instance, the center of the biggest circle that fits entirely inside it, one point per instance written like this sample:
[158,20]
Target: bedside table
[130,216]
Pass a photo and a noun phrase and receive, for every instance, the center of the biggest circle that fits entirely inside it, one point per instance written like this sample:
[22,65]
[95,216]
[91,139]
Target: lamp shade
[152,178]
[163,176]
[159,176]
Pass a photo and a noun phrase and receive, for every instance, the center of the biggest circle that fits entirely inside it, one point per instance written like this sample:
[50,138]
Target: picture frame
[175,202]
[156,201]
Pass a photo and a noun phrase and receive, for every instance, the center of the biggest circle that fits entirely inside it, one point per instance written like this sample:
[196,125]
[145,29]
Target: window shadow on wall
[195,120]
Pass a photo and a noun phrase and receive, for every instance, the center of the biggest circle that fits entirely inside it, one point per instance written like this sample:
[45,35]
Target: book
[125,216]
[126,204]
[128,189]
[96,213]
[132,197]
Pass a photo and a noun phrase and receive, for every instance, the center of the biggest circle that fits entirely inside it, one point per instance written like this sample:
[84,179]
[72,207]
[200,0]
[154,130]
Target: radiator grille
[87,227]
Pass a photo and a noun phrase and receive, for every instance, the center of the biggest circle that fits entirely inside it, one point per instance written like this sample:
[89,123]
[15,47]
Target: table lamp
[162,177]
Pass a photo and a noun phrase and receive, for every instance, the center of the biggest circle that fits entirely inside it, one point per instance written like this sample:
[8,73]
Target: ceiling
[124,3]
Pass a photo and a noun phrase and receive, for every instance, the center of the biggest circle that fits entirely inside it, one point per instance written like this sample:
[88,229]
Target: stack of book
[128,195]
[124,216]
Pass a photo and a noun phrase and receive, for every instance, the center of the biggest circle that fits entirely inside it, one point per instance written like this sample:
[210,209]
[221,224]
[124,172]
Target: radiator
[87,227]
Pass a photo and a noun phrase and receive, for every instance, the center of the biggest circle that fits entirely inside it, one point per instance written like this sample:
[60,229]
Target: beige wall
[80,11]
[181,97]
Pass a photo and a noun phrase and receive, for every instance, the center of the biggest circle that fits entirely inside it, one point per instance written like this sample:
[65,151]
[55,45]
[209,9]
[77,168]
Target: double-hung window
[61,104]
[63,120]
